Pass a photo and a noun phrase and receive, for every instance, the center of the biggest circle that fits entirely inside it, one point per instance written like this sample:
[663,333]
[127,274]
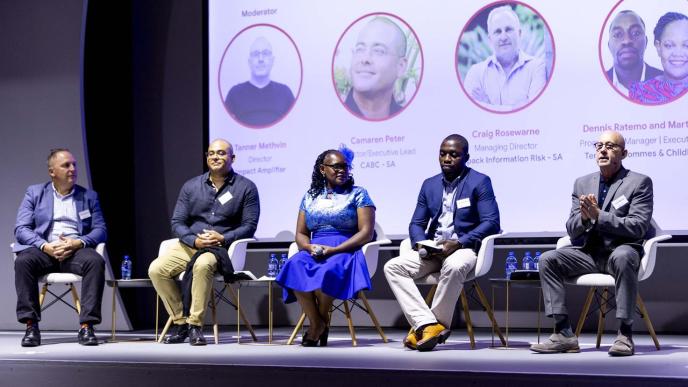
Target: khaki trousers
[170,264]
[403,270]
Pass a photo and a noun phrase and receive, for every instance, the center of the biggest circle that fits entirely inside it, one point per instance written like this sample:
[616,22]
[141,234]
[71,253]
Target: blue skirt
[340,275]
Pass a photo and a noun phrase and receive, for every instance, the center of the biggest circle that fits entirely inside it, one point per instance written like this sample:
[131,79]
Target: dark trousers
[32,263]
[556,266]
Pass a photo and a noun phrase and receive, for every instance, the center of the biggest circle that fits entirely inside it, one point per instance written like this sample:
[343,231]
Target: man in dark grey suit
[605,238]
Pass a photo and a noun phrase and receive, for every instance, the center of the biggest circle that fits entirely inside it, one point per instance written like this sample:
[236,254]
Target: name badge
[619,202]
[85,214]
[225,197]
[465,202]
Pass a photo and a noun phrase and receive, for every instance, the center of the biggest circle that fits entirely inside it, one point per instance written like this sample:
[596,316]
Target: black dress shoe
[196,335]
[32,337]
[86,336]
[179,336]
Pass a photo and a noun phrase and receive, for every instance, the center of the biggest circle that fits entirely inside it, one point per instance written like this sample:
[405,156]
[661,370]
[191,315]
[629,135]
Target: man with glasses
[456,209]
[259,101]
[377,61]
[213,210]
[627,43]
[610,214]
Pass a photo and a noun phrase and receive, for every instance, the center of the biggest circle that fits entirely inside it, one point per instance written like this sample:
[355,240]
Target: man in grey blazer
[610,215]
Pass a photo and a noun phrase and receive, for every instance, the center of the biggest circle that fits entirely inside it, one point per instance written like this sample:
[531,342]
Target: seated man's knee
[155,268]
[625,256]
[205,264]
[392,267]
[547,259]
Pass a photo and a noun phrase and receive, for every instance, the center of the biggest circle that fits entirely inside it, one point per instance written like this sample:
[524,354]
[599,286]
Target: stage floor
[668,366]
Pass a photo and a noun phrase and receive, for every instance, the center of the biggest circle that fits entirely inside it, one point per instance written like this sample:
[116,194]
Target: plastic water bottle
[528,263]
[273,265]
[511,264]
[126,268]
[282,261]
[536,260]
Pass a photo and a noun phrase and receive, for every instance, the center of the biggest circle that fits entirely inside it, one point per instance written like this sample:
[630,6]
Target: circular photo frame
[260,75]
[377,66]
[642,50]
[505,57]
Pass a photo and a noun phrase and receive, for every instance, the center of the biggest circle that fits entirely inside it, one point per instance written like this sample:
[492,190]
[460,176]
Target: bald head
[613,137]
[260,61]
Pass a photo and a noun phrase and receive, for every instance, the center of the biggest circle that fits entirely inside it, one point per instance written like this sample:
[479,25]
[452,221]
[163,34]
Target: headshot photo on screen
[259,74]
[377,66]
[644,50]
[505,57]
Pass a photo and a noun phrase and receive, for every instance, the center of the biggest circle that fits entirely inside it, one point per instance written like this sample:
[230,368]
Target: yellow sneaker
[411,342]
[432,335]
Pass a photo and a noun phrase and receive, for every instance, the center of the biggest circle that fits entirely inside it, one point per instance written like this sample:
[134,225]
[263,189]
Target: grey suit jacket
[625,215]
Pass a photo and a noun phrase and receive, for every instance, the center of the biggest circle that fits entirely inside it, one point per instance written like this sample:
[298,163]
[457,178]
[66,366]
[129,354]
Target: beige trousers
[403,270]
[170,264]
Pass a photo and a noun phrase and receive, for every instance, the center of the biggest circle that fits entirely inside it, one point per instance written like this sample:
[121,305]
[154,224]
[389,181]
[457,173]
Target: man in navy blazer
[456,210]
[59,223]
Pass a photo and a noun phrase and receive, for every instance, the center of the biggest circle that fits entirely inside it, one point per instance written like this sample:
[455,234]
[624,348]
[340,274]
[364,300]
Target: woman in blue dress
[336,218]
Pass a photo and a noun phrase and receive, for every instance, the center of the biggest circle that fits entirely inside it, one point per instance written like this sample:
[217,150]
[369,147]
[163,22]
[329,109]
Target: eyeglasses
[377,50]
[339,167]
[220,153]
[607,145]
[263,53]
[635,34]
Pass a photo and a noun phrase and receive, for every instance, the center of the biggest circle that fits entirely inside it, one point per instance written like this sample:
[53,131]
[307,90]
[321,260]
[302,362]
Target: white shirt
[65,220]
[505,92]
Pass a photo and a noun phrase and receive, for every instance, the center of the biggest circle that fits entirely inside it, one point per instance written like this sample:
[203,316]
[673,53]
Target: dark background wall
[144,117]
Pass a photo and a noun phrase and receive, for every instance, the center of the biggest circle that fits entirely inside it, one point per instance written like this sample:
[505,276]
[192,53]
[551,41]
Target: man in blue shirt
[58,225]
[213,210]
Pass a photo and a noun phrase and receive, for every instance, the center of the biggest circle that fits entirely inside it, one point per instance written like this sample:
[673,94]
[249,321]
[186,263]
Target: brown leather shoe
[411,342]
[432,335]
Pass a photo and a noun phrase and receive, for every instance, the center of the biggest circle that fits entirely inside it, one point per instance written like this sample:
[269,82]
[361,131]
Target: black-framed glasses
[607,145]
[220,153]
[339,166]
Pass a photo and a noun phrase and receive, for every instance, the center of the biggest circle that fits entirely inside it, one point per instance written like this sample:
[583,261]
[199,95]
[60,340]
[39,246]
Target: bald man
[509,78]
[377,61]
[627,43]
[213,210]
[610,214]
[259,101]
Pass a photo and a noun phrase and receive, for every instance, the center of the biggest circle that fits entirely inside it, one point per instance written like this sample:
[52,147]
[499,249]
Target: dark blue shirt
[232,211]
[350,102]
[256,106]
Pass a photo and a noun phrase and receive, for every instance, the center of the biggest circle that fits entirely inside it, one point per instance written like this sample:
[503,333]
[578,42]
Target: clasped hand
[589,208]
[209,238]
[62,248]
[320,251]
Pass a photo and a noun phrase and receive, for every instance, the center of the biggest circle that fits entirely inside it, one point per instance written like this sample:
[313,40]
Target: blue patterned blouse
[337,213]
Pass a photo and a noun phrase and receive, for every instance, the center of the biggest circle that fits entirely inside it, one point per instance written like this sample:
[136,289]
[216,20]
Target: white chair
[237,254]
[653,236]
[67,279]
[482,266]
[370,251]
